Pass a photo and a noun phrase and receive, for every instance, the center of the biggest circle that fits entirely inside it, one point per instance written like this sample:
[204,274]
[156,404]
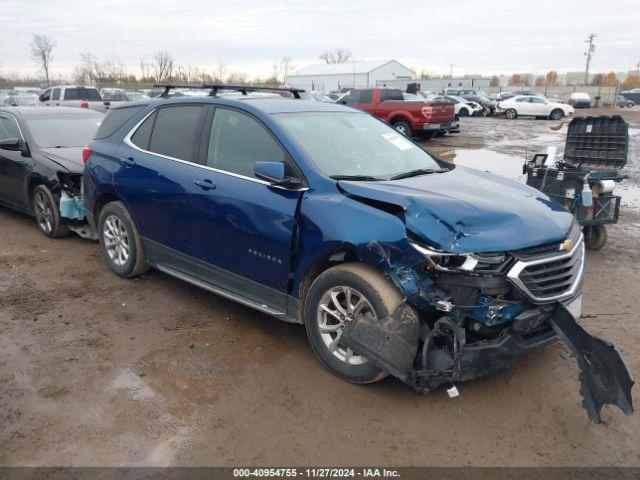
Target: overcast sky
[480,36]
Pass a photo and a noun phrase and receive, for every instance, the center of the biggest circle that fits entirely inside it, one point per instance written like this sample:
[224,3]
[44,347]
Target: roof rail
[215,87]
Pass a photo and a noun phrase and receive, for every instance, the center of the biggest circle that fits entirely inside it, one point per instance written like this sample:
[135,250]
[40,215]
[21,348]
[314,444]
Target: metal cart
[585,179]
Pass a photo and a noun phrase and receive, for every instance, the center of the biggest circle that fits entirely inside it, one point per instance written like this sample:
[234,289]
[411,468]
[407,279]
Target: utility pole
[588,53]
[638,68]
[451,71]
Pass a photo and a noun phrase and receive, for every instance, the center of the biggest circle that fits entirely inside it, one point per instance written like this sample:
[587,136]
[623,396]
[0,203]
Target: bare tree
[163,66]
[337,55]
[144,68]
[85,72]
[42,52]
[220,73]
[237,78]
[114,69]
[286,67]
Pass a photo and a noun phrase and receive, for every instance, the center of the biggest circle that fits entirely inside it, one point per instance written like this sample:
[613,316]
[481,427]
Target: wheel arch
[399,116]
[346,253]
[102,200]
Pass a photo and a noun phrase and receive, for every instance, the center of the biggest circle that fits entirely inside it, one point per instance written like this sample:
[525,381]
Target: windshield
[63,130]
[354,144]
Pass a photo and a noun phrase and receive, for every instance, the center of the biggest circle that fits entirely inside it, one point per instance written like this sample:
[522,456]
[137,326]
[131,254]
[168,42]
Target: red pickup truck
[423,119]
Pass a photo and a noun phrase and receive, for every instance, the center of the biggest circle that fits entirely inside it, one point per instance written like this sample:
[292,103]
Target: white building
[328,77]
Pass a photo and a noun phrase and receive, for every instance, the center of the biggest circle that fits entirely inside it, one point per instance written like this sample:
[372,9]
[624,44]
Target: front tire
[511,114]
[595,237]
[120,241]
[403,127]
[334,298]
[45,209]
[556,114]
[464,112]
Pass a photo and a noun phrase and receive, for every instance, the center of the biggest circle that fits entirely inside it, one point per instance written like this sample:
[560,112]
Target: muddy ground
[96,370]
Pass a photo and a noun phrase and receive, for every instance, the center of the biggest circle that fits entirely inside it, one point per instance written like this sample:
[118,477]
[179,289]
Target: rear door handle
[205,183]
[128,161]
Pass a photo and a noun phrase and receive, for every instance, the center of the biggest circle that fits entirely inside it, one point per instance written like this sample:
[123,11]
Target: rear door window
[237,141]
[81,93]
[176,130]
[391,94]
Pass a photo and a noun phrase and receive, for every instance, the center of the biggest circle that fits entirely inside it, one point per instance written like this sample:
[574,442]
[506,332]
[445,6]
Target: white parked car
[533,106]
[462,107]
[580,100]
[465,108]
[73,96]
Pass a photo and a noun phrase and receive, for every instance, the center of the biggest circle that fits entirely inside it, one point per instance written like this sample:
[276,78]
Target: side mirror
[11,144]
[274,172]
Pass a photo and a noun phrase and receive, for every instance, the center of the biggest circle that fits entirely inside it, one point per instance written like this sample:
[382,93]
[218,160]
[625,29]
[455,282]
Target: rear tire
[327,300]
[511,114]
[595,237]
[120,241]
[47,213]
[464,112]
[403,127]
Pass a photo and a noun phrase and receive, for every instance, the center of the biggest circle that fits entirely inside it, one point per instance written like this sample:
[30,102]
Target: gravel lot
[102,371]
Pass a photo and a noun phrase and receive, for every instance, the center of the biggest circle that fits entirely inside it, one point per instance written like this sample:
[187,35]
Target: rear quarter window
[115,118]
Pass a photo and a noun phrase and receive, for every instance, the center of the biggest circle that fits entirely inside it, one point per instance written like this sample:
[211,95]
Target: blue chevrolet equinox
[396,262]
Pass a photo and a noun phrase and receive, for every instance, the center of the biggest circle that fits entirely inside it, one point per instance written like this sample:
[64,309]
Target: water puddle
[197,369]
[510,166]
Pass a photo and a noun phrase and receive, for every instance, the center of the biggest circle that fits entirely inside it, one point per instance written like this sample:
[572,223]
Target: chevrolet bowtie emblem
[566,245]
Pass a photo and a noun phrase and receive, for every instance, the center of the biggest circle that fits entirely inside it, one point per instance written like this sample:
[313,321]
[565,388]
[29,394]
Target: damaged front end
[71,204]
[468,315]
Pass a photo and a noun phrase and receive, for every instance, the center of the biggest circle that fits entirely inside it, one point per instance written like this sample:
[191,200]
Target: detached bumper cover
[604,376]
[393,344]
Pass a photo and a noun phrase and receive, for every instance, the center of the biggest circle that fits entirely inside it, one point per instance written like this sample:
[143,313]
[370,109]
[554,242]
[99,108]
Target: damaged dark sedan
[41,164]
[396,262]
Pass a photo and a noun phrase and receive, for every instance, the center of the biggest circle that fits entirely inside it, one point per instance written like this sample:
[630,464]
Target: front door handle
[128,162]
[205,183]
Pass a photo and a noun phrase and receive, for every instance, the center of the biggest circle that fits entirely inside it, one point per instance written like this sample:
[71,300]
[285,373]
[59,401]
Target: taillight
[84,105]
[86,153]
[427,111]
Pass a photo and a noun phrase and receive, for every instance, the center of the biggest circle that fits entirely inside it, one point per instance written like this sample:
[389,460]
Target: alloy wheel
[116,240]
[338,306]
[44,212]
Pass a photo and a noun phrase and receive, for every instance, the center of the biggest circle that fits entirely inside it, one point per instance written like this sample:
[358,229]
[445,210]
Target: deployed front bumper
[397,345]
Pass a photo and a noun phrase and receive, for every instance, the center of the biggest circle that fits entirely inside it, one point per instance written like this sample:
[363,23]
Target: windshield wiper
[360,178]
[418,171]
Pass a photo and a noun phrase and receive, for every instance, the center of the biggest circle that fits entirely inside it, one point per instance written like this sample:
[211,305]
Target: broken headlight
[447,261]
[465,262]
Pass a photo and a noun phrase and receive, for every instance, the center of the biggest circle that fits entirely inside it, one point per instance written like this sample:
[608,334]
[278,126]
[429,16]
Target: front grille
[548,249]
[555,276]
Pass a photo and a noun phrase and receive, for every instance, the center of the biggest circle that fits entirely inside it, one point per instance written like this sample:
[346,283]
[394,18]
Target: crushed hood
[466,210]
[67,157]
